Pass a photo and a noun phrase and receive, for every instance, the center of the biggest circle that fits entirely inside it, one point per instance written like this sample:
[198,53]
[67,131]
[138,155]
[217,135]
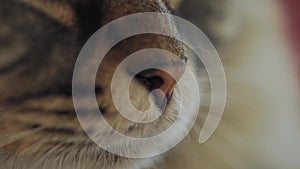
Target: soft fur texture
[39,128]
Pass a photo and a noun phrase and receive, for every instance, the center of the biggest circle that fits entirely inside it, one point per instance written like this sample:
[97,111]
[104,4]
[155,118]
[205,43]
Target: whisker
[45,164]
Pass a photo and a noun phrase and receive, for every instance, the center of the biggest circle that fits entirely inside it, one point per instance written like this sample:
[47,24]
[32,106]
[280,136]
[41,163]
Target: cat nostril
[151,83]
[158,79]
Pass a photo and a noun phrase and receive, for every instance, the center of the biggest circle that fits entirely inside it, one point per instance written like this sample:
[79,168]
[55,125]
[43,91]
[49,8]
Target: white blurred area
[261,122]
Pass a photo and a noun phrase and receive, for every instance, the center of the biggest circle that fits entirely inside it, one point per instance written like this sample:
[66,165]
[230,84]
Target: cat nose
[164,80]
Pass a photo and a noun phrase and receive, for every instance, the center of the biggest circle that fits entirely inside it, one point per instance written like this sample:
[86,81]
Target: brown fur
[39,125]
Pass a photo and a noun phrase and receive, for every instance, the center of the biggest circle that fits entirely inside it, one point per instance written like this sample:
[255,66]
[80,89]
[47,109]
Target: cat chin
[141,130]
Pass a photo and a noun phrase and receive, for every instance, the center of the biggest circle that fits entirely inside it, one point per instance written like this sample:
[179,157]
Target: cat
[40,43]
[39,126]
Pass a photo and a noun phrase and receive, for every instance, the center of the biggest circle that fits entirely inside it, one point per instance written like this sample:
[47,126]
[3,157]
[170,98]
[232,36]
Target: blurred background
[258,42]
